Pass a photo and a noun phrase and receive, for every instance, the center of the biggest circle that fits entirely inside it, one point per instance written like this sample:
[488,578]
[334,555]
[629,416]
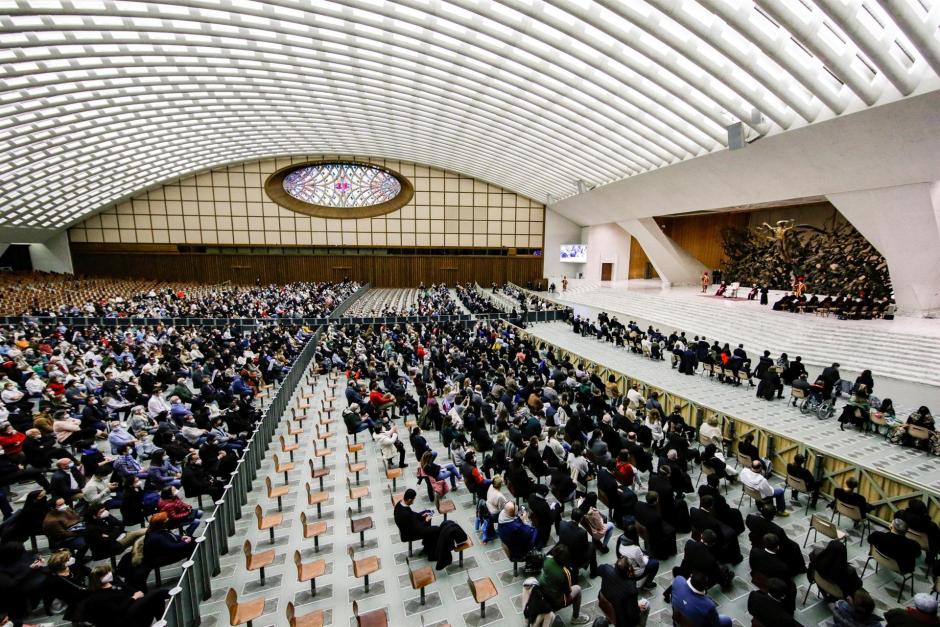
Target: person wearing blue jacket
[690,600]
[515,534]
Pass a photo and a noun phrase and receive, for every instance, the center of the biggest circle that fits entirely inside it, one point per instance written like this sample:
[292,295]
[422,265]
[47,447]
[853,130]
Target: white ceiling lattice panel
[102,98]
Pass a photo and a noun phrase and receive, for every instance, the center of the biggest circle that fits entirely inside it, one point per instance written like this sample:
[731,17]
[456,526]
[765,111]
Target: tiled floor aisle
[448,598]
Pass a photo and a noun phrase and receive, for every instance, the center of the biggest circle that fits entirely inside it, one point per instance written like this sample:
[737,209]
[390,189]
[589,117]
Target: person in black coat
[918,519]
[849,496]
[769,608]
[798,469]
[580,547]
[770,385]
[162,546]
[520,483]
[619,588]
[27,521]
[67,583]
[794,371]
[763,364]
[67,481]
[449,535]
[543,516]
[832,564]
[414,525]
[109,605]
[661,535]
[896,545]
[730,516]
[762,523]
[196,481]
[701,556]
[704,519]
[767,561]
[621,500]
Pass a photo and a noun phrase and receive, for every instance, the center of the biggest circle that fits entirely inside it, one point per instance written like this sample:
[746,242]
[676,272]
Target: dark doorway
[607,271]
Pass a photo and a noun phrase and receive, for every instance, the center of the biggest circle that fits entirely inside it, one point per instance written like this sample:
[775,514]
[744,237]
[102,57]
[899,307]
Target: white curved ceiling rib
[100,98]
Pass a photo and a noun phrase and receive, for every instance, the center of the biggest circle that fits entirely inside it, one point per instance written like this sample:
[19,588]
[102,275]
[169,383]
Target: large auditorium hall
[466,313]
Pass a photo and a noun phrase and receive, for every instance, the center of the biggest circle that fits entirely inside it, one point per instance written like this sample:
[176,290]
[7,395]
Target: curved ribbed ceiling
[101,99]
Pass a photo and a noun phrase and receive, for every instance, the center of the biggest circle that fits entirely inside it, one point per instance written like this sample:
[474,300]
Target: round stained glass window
[336,189]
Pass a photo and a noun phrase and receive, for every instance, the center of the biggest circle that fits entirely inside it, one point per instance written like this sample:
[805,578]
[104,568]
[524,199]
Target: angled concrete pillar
[53,255]
[674,264]
[903,223]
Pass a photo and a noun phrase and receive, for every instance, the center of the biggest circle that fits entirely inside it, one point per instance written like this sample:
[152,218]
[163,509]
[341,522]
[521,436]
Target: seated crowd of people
[843,307]
[103,431]
[474,301]
[526,301]
[52,295]
[736,367]
[435,300]
[569,446]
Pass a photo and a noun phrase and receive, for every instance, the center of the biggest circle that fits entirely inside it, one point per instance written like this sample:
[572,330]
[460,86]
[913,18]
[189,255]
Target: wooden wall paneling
[701,235]
[380,271]
[638,261]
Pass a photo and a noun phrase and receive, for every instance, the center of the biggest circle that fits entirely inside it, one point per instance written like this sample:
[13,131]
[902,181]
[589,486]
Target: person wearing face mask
[196,481]
[67,480]
[109,604]
[94,416]
[63,527]
[41,450]
[66,584]
[100,490]
[179,512]
[105,533]
[132,501]
[161,546]
[12,441]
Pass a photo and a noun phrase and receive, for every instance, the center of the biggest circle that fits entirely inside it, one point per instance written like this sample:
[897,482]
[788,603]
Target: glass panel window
[342,185]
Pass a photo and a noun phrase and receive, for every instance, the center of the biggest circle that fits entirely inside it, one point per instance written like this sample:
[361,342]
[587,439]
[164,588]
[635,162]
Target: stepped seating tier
[890,348]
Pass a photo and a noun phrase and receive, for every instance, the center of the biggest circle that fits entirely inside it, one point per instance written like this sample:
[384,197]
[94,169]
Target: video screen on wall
[574,253]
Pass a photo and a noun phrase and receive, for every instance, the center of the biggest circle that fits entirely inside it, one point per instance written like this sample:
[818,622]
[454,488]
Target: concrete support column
[903,223]
[674,265]
[53,255]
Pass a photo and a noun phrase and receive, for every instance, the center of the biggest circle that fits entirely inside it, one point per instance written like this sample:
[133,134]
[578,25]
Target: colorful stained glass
[342,185]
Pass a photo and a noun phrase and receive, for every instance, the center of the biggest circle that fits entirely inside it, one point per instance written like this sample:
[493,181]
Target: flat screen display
[574,253]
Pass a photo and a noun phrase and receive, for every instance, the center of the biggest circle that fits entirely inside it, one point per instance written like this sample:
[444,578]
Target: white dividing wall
[559,230]
[607,243]
[53,255]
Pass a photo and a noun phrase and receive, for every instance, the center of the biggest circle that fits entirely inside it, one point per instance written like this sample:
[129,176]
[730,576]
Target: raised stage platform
[889,474]
[905,349]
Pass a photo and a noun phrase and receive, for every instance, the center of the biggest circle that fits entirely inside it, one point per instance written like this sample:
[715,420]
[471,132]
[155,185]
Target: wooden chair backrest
[884,560]
[920,538]
[824,527]
[850,511]
[751,492]
[231,601]
[796,483]
[827,586]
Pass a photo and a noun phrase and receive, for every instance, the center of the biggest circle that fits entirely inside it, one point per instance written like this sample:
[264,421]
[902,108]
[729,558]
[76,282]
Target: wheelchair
[814,403]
